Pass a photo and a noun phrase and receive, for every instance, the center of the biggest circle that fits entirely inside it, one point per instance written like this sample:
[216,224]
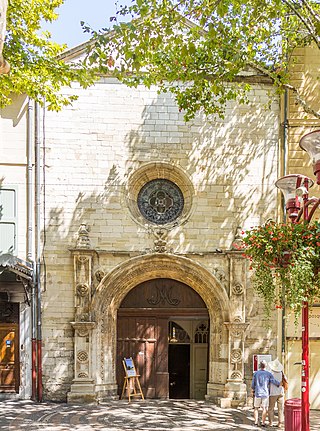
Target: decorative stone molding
[220,275]
[237,288]
[237,329]
[83,240]
[160,243]
[82,278]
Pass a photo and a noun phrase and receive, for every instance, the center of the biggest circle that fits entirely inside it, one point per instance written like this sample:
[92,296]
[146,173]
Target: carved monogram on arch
[163,295]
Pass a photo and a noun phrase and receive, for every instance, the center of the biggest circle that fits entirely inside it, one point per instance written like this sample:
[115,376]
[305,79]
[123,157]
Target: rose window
[160,201]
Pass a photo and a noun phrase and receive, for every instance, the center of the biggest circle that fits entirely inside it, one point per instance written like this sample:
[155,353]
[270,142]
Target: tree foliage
[4,65]
[197,48]
[35,67]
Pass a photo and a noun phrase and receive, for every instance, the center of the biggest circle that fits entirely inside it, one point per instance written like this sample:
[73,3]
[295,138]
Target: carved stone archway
[115,286]
[96,309]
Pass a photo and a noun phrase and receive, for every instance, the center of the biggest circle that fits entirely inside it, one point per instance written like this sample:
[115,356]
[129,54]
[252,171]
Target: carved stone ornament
[82,356]
[83,375]
[84,317]
[236,356]
[83,328]
[236,375]
[82,290]
[99,274]
[220,275]
[238,289]
[160,243]
[82,332]
[83,240]
[237,328]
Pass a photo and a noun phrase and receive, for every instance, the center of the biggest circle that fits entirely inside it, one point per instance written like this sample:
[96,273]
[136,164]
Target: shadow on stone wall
[219,157]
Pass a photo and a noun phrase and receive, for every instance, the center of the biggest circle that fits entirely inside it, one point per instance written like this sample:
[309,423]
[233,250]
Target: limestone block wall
[90,152]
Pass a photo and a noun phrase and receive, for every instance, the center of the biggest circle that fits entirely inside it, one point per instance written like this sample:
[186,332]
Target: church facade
[139,217]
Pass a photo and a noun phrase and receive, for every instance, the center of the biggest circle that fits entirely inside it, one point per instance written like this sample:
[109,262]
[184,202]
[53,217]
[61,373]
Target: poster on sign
[129,367]
[258,358]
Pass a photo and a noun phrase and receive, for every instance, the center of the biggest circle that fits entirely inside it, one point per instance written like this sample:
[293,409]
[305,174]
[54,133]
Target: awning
[14,269]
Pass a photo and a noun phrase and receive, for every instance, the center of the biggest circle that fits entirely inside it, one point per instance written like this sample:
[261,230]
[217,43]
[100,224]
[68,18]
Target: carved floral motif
[82,356]
[238,289]
[236,356]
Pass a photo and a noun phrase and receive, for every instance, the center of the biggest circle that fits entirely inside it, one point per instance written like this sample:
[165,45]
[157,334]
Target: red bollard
[292,414]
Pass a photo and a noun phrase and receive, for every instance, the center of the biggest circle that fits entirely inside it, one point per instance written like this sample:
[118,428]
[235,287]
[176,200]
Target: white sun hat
[275,365]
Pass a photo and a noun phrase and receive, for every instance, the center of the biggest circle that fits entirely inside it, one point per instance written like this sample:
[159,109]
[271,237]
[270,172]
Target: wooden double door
[169,367]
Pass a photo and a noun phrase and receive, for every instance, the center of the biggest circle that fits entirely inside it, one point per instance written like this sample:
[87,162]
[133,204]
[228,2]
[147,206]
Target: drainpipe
[38,250]
[30,218]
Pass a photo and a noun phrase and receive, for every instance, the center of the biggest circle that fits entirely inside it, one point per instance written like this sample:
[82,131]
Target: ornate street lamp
[299,207]
[293,189]
[311,144]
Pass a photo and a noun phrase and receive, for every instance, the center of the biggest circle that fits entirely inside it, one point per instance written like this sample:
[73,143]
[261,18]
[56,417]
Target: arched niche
[115,286]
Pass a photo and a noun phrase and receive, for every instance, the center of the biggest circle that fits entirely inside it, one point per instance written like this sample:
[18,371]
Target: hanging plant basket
[285,262]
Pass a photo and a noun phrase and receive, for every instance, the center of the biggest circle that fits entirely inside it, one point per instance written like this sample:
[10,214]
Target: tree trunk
[4,65]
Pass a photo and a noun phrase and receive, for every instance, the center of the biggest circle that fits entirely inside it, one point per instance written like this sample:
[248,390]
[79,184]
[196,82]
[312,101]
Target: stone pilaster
[235,392]
[235,388]
[83,386]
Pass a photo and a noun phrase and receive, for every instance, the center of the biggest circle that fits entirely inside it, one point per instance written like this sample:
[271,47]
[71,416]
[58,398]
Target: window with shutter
[8,220]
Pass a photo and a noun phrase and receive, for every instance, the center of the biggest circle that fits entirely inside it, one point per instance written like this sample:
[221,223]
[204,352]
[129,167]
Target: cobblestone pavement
[154,415]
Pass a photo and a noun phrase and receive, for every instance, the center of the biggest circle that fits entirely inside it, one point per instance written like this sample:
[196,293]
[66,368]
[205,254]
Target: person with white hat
[276,393]
[260,387]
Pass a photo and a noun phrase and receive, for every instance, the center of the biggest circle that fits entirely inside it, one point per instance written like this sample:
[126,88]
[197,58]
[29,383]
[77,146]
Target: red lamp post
[295,189]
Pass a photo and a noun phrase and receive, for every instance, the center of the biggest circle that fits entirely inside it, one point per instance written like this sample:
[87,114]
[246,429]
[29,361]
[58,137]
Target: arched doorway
[158,326]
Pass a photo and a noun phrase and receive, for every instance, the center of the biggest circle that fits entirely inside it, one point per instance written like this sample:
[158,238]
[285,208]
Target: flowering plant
[286,260]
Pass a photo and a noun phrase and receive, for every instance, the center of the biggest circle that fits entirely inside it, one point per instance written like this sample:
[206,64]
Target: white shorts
[261,402]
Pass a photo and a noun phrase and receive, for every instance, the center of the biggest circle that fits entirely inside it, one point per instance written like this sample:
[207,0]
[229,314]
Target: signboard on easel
[131,384]
[129,367]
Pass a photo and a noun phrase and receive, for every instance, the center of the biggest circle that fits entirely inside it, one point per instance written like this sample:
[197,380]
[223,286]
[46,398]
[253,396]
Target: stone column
[83,386]
[235,392]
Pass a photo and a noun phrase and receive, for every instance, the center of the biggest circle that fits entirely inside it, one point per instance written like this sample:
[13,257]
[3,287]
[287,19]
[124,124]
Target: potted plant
[285,258]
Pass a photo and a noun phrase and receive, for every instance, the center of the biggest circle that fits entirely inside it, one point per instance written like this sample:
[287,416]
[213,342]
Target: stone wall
[92,153]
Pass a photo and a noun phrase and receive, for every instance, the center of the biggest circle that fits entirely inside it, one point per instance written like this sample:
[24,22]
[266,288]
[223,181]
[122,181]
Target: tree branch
[309,27]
